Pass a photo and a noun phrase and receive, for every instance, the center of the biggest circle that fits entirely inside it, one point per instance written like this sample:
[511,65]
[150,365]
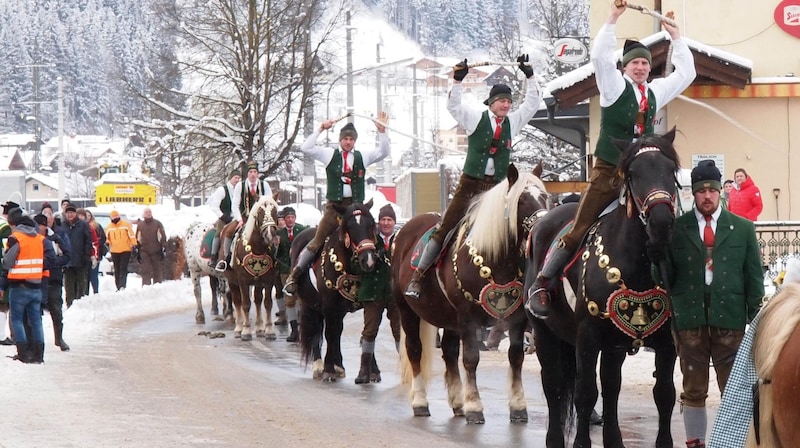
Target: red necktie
[346,168]
[708,241]
[497,131]
[291,234]
[253,189]
[386,242]
[643,100]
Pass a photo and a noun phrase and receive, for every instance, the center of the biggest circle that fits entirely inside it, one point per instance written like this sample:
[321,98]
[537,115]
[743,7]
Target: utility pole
[37,122]
[62,180]
[349,49]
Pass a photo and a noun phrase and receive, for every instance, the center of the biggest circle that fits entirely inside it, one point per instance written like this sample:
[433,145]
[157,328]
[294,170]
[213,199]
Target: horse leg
[334,326]
[664,389]
[473,407]
[411,359]
[244,313]
[587,350]
[557,360]
[269,330]
[258,299]
[518,409]
[451,346]
[199,315]
[611,382]
[236,301]
[213,281]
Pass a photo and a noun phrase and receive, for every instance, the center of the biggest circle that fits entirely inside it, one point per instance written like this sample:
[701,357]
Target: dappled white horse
[197,248]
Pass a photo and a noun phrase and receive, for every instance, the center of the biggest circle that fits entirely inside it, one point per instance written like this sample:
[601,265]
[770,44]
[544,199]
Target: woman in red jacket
[745,199]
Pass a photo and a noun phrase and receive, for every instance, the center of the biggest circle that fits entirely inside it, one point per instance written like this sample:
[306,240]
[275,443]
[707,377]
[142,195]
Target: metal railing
[779,241]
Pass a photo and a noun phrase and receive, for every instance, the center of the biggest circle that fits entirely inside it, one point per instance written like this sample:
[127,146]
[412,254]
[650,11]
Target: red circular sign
[787,16]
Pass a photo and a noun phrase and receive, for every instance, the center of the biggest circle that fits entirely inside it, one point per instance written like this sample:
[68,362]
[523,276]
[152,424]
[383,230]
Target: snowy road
[145,378]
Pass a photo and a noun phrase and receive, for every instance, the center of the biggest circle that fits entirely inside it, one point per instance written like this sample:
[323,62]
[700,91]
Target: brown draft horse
[478,281]
[328,295]
[776,353]
[253,263]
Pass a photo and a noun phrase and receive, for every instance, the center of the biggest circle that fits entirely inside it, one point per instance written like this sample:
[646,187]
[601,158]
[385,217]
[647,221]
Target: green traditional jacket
[737,288]
[283,247]
[479,145]
[376,285]
[617,122]
[334,172]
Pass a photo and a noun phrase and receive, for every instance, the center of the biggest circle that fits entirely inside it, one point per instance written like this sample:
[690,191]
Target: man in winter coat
[345,169]
[716,285]
[222,202]
[375,294]
[23,267]
[54,298]
[121,242]
[5,232]
[76,274]
[152,248]
[488,152]
[745,199]
[628,105]
[286,236]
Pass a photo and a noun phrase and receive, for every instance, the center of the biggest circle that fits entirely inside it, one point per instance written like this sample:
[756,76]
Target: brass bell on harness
[639,317]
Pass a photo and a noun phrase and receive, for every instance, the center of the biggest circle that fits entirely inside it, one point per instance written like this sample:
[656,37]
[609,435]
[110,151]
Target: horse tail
[427,336]
[777,323]
[312,323]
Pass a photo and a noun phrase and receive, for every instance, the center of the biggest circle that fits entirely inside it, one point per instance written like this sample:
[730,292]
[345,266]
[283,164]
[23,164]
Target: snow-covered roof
[16,140]
[124,178]
[587,70]
[45,179]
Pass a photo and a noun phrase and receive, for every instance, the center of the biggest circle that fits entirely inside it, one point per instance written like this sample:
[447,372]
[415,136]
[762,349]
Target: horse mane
[487,233]
[661,142]
[778,320]
[264,202]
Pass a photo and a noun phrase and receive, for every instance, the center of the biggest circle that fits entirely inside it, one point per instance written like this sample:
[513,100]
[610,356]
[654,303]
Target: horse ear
[513,174]
[369,204]
[275,195]
[538,170]
[671,134]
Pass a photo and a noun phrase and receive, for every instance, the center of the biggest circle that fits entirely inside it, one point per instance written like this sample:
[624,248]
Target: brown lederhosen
[603,188]
[468,188]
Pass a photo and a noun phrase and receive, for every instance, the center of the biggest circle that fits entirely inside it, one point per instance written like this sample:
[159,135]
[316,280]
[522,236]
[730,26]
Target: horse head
[358,233]
[517,200]
[649,166]
[262,222]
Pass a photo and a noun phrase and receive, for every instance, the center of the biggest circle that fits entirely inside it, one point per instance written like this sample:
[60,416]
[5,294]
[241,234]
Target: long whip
[645,10]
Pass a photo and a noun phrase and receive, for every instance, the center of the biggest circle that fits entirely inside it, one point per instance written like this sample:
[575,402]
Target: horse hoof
[317,375]
[260,334]
[200,320]
[270,336]
[422,411]
[374,377]
[218,319]
[519,416]
[237,334]
[328,377]
[339,371]
[458,412]
[247,337]
[475,418]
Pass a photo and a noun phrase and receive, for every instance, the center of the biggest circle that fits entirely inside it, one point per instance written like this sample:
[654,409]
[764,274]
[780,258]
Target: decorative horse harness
[345,282]
[255,264]
[638,314]
[498,300]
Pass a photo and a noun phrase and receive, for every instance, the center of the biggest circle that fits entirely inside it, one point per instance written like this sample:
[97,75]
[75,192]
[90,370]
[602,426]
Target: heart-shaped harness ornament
[638,314]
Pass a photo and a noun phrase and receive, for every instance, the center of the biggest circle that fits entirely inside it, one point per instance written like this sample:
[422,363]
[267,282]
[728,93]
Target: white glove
[94,262]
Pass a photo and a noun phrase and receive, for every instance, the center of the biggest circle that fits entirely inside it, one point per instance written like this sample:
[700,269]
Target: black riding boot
[367,354]
[429,256]
[294,336]
[538,302]
[304,260]
[58,330]
[212,263]
[24,353]
[375,372]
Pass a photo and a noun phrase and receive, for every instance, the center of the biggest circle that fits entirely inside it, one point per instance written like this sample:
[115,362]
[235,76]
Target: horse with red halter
[606,302]
[253,264]
[776,354]
[477,282]
[328,295]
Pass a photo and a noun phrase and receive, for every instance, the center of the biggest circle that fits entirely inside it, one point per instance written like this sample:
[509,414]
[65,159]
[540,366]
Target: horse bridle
[653,198]
[365,244]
